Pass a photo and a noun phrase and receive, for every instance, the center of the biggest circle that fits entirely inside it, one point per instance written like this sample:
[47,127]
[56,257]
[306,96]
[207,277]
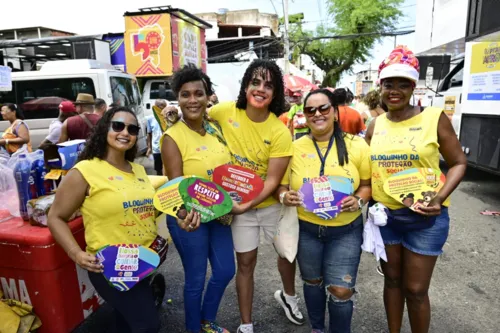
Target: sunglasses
[324,109]
[119,126]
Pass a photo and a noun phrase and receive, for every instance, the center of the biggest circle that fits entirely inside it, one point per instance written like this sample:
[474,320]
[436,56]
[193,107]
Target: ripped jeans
[328,259]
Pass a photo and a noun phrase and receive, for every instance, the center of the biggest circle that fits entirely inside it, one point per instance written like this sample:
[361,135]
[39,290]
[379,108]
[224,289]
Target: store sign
[188,45]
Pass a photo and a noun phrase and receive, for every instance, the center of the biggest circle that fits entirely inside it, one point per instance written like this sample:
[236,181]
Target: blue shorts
[427,242]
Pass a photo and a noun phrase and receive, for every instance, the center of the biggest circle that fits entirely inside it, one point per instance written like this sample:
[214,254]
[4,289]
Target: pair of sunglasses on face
[310,111]
[119,126]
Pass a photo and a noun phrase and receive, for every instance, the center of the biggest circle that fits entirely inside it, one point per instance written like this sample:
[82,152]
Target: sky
[101,16]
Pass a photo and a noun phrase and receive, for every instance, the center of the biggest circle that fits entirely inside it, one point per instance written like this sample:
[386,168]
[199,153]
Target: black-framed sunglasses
[310,111]
[118,126]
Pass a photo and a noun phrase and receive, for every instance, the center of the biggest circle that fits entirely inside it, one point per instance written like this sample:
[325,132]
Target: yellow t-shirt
[398,146]
[306,164]
[252,144]
[200,154]
[119,208]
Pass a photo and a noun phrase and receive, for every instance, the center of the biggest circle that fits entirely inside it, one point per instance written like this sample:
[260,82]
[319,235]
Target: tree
[355,19]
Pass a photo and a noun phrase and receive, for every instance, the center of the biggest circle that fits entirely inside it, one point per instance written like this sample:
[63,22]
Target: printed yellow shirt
[398,146]
[119,208]
[306,165]
[200,154]
[252,144]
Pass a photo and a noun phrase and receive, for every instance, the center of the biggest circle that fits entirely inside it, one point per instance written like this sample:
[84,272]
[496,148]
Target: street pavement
[465,290]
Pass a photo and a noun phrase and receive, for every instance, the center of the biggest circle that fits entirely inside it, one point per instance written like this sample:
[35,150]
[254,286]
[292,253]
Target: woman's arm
[369,131]
[69,197]
[450,148]
[364,191]
[23,135]
[172,158]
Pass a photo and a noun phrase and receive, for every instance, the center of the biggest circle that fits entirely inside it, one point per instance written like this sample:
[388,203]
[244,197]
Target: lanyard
[321,157]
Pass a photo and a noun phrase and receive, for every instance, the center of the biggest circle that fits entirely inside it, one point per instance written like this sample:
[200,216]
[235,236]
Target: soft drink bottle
[43,187]
[22,172]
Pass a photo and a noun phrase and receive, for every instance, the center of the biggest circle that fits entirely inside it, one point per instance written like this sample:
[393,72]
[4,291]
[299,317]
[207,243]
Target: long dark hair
[97,143]
[260,68]
[13,107]
[337,130]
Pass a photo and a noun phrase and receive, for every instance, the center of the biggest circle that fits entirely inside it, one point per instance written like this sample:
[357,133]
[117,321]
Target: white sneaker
[291,306]
[245,328]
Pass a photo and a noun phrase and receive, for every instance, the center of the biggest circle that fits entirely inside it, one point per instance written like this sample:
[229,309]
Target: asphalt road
[465,291]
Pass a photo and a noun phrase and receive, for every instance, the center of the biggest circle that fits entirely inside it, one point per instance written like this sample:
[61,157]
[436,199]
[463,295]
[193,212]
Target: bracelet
[282,196]
[6,142]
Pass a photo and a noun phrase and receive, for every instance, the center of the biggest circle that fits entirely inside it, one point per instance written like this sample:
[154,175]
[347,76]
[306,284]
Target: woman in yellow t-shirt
[329,250]
[116,201]
[195,146]
[403,138]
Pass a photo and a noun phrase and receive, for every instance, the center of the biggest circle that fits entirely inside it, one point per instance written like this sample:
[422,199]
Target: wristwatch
[361,202]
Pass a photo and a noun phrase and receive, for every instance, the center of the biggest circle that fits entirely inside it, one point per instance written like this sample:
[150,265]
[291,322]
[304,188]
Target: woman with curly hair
[116,201]
[195,146]
[372,100]
[259,141]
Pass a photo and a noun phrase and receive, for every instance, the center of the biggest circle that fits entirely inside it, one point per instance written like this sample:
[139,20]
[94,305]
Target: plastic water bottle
[22,172]
[38,172]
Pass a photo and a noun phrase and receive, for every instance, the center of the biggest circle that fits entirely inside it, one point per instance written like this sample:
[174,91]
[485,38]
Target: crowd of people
[320,135]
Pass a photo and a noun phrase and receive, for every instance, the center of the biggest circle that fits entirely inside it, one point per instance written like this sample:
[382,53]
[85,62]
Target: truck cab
[156,89]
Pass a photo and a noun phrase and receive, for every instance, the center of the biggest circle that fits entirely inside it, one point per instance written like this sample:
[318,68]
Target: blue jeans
[212,241]
[330,255]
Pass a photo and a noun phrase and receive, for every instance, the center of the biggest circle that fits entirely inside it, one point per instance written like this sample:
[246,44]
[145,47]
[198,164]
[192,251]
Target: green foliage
[348,17]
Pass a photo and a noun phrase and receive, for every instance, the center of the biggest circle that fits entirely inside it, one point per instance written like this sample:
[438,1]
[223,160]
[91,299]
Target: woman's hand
[349,204]
[432,209]
[87,261]
[239,209]
[292,199]
[192,221]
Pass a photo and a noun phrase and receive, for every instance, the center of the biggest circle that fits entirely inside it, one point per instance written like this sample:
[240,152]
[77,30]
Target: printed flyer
[167,198]
[242,184]
[127,264]
[323,195]
[415,187]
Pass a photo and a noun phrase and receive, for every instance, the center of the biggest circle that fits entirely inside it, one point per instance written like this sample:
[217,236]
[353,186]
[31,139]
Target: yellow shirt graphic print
[252,144]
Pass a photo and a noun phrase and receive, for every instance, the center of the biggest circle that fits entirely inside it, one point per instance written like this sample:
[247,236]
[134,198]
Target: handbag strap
[87,121]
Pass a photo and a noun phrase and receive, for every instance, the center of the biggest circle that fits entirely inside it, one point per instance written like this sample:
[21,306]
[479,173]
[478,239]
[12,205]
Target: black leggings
[135,310]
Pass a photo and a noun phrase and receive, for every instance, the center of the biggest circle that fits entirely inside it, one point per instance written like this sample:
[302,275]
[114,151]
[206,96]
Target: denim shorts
[330,253]
[427,242]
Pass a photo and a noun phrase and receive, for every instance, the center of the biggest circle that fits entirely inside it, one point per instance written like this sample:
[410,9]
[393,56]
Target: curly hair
[190,73]
[97,143]
[335,101]
[260,68]
[372,99]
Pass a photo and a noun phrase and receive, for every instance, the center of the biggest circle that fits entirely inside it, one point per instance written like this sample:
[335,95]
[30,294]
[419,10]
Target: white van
[39,93]
[156,89]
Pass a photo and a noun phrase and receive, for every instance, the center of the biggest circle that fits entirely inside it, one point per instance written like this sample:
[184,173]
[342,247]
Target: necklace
[199,131]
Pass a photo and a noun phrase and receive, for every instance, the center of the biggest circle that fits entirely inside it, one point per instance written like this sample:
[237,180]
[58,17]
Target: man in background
[350,119]
[297,120]
[100,106]
[66,110]
[80,126]
[154,136]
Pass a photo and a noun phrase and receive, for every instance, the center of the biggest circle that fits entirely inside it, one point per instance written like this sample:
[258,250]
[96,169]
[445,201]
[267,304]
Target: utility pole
[286,38]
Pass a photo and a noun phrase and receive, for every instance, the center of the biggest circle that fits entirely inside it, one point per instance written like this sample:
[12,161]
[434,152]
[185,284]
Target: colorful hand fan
[242,184]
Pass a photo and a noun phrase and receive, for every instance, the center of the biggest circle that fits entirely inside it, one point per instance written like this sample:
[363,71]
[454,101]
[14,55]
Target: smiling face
[193,100]
[320,123]
[396,92]
[122,141]
[260,90]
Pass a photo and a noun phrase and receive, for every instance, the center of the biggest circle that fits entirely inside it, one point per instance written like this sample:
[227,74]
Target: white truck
[470,95]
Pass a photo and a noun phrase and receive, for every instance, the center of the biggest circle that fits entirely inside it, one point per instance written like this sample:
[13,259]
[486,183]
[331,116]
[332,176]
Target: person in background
[100,184]
[360,105]
[80,126]
[328,250]
[66,110]
[372,100]
[258,140]
[17,134]
[408,137]
[154,135]
[350,119]
[100,106]
[284,116]
[297,121]
[195,146]
[213,100]
[113,105]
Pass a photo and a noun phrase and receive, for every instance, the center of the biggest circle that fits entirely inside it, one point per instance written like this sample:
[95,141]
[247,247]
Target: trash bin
[34,269]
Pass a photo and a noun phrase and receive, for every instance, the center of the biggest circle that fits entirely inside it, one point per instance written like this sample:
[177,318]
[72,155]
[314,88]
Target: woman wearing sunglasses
[329,250]
[195,146]
[116,201]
